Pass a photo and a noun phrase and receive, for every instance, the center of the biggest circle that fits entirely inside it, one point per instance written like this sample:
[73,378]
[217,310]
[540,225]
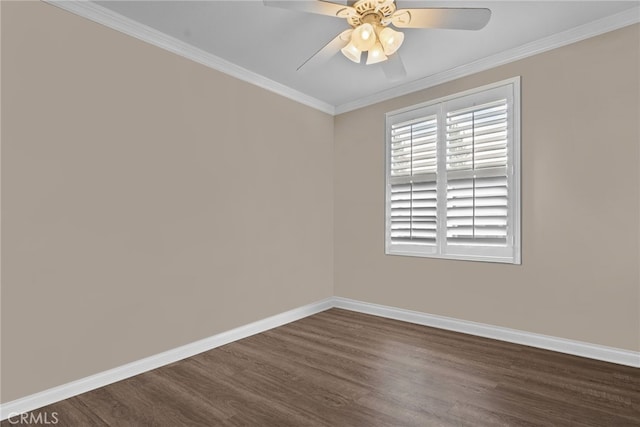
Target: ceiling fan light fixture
[391,40]
[376,54]
[369,32]
[363,37]
[352,52]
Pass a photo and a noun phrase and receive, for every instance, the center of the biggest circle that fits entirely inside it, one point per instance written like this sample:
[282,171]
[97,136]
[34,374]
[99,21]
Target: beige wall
[580,203]
[148,201]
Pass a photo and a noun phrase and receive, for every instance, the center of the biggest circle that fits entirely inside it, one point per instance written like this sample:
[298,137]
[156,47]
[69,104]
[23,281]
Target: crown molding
[115,21]
[582,32]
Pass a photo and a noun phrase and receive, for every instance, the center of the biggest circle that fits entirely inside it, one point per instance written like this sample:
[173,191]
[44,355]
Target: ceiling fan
[371,31]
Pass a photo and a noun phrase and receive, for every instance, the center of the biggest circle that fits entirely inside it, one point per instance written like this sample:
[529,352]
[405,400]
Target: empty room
[320,213]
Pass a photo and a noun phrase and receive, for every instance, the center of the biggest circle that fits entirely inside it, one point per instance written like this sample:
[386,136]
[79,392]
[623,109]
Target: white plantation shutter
[413,147]
[453,179]
[477,137]
[413,193]
[477,206]
[413,213]
[477,211]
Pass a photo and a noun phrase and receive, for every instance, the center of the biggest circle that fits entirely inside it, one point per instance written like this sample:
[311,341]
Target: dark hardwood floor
[340,368]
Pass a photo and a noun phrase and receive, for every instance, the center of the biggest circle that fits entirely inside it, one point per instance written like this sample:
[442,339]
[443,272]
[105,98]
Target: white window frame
[509,254]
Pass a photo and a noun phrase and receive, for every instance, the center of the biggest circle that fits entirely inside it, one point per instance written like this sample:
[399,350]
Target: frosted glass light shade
[376,54]
[391,40]
[363,37]
[352,52]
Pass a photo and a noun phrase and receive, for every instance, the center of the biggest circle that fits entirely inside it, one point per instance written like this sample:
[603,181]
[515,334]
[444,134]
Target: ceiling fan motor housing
[371,11]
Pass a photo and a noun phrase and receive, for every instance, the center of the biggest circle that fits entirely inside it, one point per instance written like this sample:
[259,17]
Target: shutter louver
[477,211]
[477,137]
[413,147]
[413,213]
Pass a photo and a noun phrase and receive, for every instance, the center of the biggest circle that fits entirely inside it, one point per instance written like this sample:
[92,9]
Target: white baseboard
[562,345]
[74,388]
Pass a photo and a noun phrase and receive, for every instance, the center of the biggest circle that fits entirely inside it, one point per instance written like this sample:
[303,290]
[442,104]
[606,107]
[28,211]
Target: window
[453,178]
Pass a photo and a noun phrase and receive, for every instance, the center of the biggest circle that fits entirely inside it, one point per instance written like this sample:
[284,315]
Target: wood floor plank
[341,368]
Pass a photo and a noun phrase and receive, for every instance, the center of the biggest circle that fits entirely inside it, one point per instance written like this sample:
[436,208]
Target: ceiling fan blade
[446,18]
[328,50]
[313,6]
[394,68]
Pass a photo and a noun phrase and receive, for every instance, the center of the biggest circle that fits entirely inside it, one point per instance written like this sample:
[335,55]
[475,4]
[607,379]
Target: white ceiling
[273,42]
